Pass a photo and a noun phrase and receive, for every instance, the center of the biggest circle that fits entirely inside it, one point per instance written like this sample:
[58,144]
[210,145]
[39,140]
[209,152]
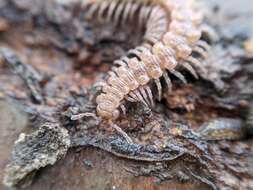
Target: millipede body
[171,38]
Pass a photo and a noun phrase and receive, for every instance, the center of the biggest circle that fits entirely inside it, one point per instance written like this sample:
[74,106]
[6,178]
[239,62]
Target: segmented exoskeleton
[172,34]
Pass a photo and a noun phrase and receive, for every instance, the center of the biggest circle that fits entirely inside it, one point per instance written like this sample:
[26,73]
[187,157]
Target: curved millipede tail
[172,34]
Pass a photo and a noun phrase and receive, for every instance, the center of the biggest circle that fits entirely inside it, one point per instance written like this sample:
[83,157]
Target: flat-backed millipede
[172,36]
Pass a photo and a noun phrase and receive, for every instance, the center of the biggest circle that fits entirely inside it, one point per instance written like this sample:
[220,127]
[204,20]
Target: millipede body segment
[172,36]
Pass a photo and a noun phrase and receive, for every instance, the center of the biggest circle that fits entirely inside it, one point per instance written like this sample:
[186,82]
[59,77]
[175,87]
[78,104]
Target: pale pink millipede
[172,34]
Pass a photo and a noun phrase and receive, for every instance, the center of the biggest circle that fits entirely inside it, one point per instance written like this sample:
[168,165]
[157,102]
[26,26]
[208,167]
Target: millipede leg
[121,132]
[138,94]
[122,18]
[143,16]
[145,96]
[159,88]
[209,32]
[150,95]
[179,76]
[189,68]
[111,11]
[197,64]
[126,12]
[168,81]
[118,12]
[204,44]
[134,97]
[130,99]
[200,51]
[101,11]
[133,10]
[123,109]
[89,14]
